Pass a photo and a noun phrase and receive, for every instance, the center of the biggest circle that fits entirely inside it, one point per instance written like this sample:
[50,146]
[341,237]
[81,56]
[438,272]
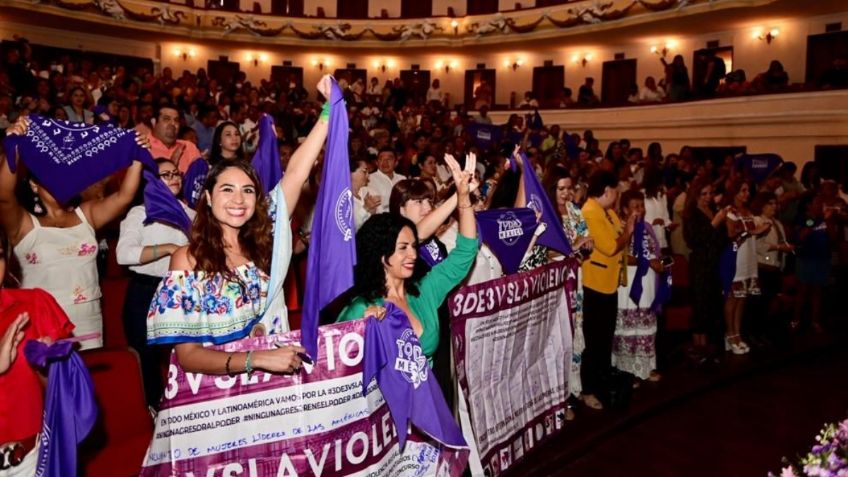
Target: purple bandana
[193,181]
[554,236]
[484,135]
[70,410]
[393,355]
[68,157]
[507,232]
[332,253]
[431,253]
[266,159]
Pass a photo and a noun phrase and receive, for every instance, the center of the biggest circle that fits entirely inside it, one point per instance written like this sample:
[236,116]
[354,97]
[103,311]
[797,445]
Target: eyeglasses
[171,175]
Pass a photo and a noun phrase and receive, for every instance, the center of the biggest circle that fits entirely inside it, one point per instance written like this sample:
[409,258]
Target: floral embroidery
[87,249]
[32,258]
[79,296]
[191,305]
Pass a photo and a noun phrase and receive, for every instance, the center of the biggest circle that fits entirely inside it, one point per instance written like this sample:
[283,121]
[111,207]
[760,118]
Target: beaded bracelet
[227,366]
[248,365]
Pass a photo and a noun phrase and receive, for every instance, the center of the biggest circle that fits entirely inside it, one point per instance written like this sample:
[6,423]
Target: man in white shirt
[651,93]
[381,181]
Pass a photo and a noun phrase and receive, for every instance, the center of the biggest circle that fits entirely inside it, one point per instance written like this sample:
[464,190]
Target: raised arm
[102,211]
[521,196]
[431,223]
[300,165]
[12,215]
[462,178]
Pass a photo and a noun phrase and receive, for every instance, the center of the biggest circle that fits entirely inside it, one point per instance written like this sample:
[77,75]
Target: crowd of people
[417,177]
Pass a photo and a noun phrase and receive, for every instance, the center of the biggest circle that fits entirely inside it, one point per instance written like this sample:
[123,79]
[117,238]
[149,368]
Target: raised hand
[10,341]
[325,86]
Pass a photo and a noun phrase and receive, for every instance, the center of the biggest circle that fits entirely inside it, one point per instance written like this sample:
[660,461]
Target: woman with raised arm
[55,243]
[386,252]
[218,288]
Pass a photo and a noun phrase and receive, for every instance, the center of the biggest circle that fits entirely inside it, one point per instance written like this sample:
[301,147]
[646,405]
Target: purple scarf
[393,355]
[70,410]
[332,253]
[431,252]
[554,236]
[642,261]
[68,157]
[266,159]
[508,233]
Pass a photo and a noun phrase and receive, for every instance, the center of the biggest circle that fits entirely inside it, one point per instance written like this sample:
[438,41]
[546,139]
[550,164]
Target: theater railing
[789,124]
[518,25]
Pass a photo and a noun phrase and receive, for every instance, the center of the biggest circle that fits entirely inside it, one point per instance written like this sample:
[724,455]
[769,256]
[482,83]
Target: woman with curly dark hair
[386,252]
[219,288]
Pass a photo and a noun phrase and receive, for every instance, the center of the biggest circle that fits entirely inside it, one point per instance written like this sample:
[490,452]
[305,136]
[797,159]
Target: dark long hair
[255,236]
[375,242]
[551,182]
[215,152]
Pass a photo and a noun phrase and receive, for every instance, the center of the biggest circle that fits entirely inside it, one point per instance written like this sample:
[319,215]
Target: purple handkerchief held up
[332,251]
[393,355]
[68,157]
[70,410]
[507,233]
[266,159]
[554,235]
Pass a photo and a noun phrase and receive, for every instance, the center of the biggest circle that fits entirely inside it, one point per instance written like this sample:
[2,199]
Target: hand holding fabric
[10,341]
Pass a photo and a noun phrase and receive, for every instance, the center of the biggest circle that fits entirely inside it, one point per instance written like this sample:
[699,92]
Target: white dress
[63,262]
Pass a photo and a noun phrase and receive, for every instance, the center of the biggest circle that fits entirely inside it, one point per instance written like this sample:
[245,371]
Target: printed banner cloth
[512,345]
[316,422]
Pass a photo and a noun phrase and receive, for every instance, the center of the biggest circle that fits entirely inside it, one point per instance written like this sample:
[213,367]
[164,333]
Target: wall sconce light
[320,64]
[665,49]
[582,60]
[384,65]
[257,58]
[184,53]
[768,36]
[455,25]
[514,64]
[447,65]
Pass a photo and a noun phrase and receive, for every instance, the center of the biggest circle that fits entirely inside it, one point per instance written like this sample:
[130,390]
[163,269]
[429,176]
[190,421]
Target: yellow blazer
[603,269]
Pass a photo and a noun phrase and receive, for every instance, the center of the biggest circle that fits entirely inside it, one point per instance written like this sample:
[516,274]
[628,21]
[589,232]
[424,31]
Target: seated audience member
[773,79]
[651,93]
[164,142]
[567,100]
[586,94]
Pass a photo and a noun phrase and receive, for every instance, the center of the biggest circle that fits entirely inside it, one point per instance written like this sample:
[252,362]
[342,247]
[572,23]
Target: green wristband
[325,112]
[248,364]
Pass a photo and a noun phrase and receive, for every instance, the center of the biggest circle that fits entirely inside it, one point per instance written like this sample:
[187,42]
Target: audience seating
[114,292]
[117,445]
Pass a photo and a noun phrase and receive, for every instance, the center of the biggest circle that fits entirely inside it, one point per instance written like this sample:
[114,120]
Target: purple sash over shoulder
[641,234]
[68,157]
[508,233]
[70,410]
[393,355]
[332,253]
[554,235]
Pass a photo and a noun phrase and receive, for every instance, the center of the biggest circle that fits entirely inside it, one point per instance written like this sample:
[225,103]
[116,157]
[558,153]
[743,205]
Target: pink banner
[315,422]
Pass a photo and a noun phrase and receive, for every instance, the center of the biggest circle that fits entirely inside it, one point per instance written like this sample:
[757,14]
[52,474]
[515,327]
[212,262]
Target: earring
[36,205]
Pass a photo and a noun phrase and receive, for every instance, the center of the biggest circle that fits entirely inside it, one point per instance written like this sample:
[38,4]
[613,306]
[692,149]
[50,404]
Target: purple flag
[554,235]
[431,252]
[70,410]
[393,355]
[68,157]
[266,159]
[332,251]
[507,232]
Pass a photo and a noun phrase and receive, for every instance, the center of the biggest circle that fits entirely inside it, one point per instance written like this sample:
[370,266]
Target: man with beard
[164,142]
